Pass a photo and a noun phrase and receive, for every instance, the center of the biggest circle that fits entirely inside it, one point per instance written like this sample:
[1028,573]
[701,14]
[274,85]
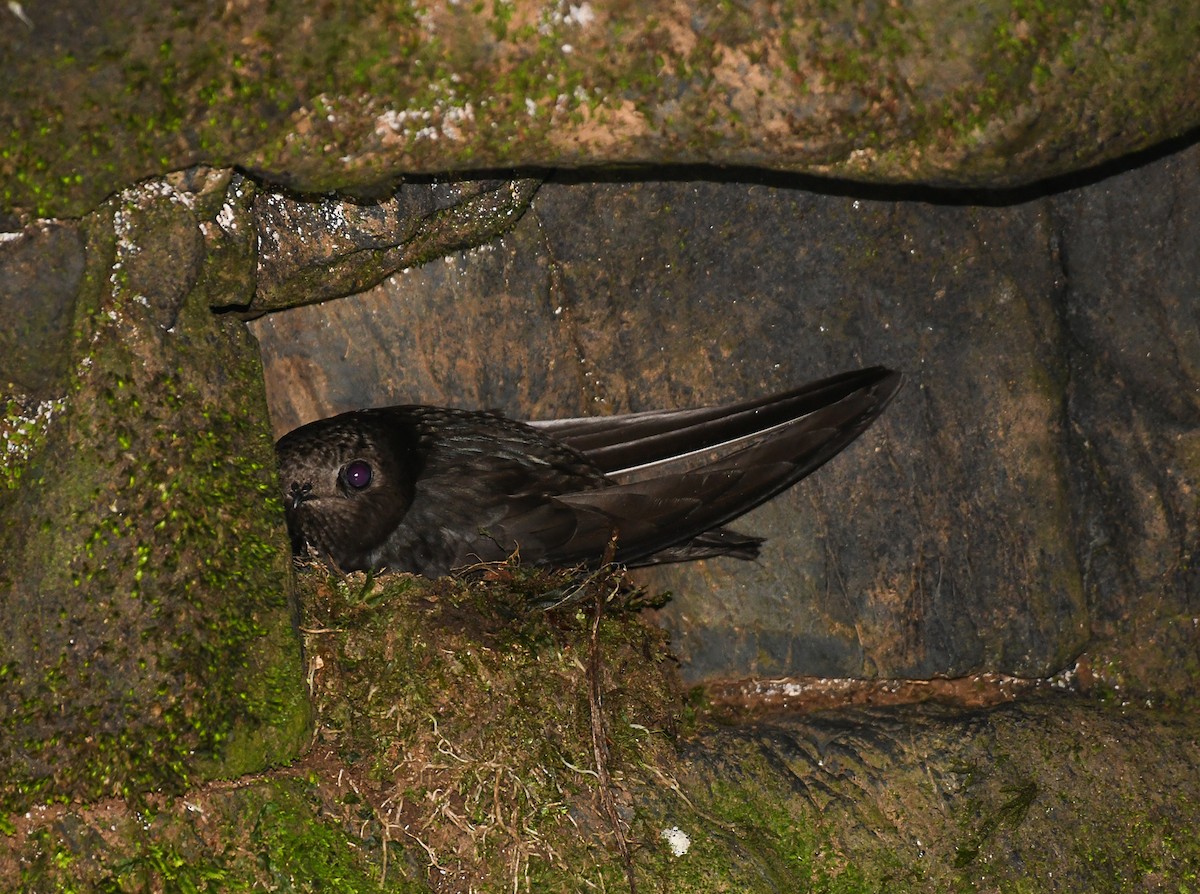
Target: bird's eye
[357,475]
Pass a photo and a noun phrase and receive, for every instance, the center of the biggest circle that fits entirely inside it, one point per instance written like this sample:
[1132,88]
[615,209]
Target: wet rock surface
[1027,504]
[947,92]
[949,800]
[1038,444]
[313,250]
[143,571]
[453,750]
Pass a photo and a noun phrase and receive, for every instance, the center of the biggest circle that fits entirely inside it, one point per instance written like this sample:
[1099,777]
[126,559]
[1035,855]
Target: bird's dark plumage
[427,489]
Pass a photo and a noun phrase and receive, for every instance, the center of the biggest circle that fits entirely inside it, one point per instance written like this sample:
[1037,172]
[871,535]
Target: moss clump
[143,565]
[464,722]
[454,748]
[23,430]
[455,751]
[263,835]
[327,100]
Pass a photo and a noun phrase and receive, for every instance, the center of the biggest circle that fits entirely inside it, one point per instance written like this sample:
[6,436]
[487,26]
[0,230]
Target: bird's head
[347,482]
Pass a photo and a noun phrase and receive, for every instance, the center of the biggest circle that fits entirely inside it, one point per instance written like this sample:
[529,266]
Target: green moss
[794,855]
[263,836]
[144,559]
[461,705]
[1028,805]
[302,96]
[453,747]
[22,433]
[1010,812]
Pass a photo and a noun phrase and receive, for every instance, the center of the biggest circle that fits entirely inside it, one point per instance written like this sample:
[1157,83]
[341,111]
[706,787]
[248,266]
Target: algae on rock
[454,751]
[143,565]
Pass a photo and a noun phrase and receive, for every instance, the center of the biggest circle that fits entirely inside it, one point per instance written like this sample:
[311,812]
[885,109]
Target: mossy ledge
[453,752]
[952,92]
[144,577]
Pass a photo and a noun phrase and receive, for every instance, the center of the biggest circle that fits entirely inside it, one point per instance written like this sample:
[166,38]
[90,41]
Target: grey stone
[959,534]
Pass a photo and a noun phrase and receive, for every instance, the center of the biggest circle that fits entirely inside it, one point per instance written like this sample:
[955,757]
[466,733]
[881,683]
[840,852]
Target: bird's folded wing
[682,475]
[660,441]
[664,512]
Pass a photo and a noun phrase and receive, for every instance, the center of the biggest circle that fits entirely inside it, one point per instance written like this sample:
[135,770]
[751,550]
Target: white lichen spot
[390,121]
[227,218]
[445,118]
[334,215]
[577,15]
[426,21]
[22,429]
[581,15]
[453,116]
[530,107]
[677,840]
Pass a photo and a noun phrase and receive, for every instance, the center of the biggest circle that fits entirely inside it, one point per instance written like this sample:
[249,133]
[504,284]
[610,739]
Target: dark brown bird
[429,489]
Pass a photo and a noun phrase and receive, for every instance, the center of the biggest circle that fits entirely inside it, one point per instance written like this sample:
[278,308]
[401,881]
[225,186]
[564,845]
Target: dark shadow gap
[776,179]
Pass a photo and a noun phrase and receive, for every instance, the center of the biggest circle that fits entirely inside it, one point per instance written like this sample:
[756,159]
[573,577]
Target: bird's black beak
[298,494]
